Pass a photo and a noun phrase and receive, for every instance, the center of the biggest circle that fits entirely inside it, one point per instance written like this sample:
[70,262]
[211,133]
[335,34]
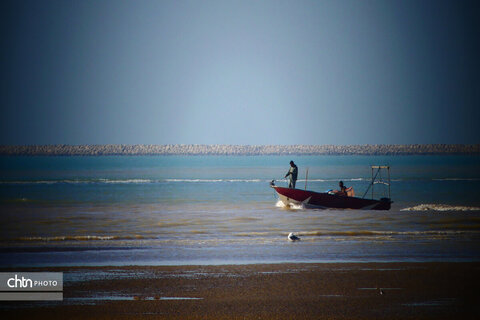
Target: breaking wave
[80,238]
[333,180]
[440,207]
[215,180]
[124,181]
[195,180]
[81,181]
[385,233]
[457,179]
[146,181]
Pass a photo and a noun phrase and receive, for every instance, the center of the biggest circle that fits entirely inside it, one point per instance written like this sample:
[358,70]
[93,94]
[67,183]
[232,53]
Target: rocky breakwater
[198,149]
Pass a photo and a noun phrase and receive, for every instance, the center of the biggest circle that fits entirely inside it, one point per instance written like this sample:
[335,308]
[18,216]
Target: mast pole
[306,179]
[389,196]
[372,182]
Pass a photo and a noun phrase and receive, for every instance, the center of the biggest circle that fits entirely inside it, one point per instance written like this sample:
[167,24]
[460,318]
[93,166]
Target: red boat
[323,200]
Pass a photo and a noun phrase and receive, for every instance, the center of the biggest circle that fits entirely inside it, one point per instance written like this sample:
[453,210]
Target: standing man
[293,172]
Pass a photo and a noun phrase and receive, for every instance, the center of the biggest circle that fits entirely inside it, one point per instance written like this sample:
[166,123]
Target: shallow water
[219,210]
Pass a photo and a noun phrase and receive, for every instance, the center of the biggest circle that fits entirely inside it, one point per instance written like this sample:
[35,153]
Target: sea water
[178,210]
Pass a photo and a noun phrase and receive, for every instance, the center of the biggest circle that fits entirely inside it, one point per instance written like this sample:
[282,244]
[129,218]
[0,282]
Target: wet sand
[277,291]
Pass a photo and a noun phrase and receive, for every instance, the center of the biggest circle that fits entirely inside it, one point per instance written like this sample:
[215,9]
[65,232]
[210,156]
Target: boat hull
[311,199]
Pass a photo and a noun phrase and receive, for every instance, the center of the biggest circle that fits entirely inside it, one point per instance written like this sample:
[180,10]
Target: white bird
[293,237]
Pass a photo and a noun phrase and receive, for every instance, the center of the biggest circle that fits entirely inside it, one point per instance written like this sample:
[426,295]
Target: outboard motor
[385,203]
[272,183]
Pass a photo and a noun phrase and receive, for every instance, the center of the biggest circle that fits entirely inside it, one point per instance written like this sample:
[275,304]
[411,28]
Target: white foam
[127,181]
[456,179]
[297,206]
[292,206]
[440,207]
[280,204]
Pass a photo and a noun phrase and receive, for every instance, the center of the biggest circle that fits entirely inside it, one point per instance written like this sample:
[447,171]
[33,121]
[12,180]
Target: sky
[239,72]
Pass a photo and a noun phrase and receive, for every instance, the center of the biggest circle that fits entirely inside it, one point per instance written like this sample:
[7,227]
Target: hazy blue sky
[239,72]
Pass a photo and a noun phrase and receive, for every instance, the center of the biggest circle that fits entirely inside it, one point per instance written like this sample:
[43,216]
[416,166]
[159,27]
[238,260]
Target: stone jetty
[200,149]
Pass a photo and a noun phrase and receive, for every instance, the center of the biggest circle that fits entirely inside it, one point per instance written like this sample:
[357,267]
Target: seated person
[344,191]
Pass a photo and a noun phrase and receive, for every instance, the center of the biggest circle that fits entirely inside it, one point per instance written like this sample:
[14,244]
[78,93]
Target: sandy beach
[271,291]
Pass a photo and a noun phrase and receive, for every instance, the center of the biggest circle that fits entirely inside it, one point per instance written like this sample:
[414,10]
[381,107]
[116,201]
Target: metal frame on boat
[323,200]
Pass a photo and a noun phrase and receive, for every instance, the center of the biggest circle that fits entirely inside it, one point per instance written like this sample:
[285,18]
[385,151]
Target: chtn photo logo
[23,282]
[31,286]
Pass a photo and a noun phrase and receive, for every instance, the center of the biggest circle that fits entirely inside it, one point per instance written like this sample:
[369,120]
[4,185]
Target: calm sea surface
[175,210]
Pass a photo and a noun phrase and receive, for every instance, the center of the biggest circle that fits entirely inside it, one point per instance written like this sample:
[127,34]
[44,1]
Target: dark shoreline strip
[266,291]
